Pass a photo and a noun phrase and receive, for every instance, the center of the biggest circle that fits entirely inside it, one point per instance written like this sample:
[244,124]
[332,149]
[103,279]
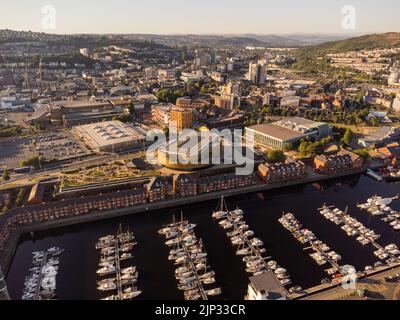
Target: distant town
[76,111]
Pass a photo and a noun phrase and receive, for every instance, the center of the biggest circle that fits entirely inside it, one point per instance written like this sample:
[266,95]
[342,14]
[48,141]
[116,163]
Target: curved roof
[120,89]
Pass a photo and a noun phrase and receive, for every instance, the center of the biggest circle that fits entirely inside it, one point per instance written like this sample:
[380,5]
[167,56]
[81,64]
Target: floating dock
[113,250]
[40,283]
[255,250]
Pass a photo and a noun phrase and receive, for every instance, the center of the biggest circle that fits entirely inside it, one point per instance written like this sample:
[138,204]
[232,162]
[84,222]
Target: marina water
[77,274]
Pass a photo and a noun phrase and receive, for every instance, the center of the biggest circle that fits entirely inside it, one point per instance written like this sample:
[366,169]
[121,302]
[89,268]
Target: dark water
[77,276]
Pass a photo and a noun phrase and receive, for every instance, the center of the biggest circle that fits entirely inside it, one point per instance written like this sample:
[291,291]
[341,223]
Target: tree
[275,156]
[132,109]
[6,175]
[20,197]
[33,162]
[348,136]
[373,122]
[164,95]
[363,153]
[125,117]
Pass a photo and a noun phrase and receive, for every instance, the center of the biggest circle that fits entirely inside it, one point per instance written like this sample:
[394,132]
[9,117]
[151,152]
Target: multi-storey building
[158,189]
[184,185]
[256,73]
[181,118]
[281,172]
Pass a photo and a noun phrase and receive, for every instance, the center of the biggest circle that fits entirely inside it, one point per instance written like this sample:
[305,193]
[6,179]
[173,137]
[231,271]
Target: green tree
[164,95]
[275,156]
[132,109]
[20,197]
[348,136]
[125,117]
[373,122]
[363,153]
[34,162]
[6,175]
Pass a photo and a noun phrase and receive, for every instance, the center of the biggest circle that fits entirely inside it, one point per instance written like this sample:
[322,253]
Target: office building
[181,118]
[279,134]
[256,73]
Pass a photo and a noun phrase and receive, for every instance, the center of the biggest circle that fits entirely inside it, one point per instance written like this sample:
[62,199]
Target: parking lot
[53,146]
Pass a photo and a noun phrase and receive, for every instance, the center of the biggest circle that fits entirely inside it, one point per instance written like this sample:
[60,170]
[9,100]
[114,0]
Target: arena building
[111,136]
[180,156]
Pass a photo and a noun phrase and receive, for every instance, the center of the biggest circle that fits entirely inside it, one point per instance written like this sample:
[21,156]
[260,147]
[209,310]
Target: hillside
[367,42]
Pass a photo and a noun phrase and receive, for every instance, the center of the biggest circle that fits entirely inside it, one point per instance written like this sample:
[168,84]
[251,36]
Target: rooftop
[275,131]
[82,104]
[109,133]
[268,283]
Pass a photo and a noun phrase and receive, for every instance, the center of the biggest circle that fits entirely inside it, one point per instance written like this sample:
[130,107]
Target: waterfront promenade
[373,281]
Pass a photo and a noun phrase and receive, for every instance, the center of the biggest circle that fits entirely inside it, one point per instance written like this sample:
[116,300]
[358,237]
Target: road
[379,289]
[40,111]
[55,170]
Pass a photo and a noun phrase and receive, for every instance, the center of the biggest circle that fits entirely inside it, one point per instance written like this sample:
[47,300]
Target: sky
[200,16]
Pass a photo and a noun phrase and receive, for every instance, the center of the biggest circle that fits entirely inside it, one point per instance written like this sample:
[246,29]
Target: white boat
[101,282]
[243,252]
[55,251]
[167,230]
[131,293]
[182,270]
[282,276]
[254,263]
[238,241]
[227,226]
[106,270]
[173,242]
[129,270]
[108,286]
[176,256]
[280,271]
[130,276]
[233,233]
[201,266]
[257,242]
[219,215]
[208,275]
[181,260]
[249,234]
[184,275]
[250,258]
[214,292]
[126,256]
[171,235]
[198,256]
[286,282]
[188,228]
[208,281]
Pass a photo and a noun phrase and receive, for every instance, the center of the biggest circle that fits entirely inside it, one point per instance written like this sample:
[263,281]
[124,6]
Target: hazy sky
[201,16]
